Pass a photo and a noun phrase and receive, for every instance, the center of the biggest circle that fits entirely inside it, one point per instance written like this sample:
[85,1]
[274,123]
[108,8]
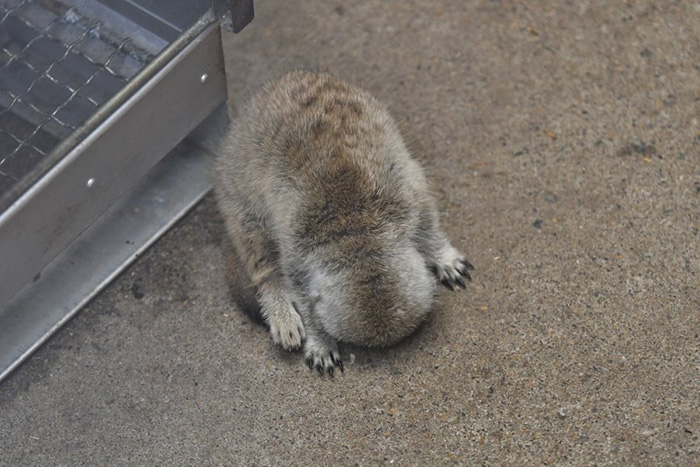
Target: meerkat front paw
[323,355]
[450,267]
[286,327]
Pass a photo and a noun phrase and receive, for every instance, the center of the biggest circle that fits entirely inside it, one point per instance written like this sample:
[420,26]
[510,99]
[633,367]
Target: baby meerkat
[331,218]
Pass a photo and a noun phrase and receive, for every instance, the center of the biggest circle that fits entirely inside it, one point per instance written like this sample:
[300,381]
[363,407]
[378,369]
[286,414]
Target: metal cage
[93,95]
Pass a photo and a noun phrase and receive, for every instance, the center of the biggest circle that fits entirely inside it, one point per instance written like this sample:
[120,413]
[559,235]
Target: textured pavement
[563,142]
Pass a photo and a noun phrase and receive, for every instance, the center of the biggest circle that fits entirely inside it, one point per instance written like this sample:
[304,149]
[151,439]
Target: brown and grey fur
[331,218]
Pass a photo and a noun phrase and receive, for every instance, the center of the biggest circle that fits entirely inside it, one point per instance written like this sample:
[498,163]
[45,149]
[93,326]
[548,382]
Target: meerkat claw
[338,361]
[467,265]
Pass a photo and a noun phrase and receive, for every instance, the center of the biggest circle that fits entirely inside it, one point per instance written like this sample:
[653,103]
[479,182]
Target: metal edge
[16,195]
[76,149]
[162,171]
[138,35]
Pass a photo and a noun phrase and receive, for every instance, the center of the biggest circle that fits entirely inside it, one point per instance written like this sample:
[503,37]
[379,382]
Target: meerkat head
[375,301]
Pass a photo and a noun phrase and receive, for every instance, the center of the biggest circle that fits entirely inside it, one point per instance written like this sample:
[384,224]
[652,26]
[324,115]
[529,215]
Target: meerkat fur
[331,217]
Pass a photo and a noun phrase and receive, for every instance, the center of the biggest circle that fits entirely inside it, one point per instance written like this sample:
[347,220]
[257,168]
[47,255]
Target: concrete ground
[564,145]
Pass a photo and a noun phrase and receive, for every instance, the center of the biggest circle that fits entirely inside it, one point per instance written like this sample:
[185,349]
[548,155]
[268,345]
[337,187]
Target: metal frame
[101,252]
[56,67]
[96,202]
[100,161]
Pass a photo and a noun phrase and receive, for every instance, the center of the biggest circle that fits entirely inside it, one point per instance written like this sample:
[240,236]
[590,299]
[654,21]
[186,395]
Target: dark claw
[460,282]
[466,275]
[319,368]
[463,272]
[447,283]
[310,362]
[467,264]
[330,371]
[338,361]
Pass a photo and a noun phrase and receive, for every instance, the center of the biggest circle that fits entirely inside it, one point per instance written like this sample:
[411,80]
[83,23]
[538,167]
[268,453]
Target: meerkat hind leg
[276,306]
[278,310]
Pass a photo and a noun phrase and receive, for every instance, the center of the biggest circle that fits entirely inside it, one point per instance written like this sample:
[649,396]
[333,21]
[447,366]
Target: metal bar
[100,166]
[235,14]
[100,253]
[242,13]
[143,38]
[56,67]
[10,197]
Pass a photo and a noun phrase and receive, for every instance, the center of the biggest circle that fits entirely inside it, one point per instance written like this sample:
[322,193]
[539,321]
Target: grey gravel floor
[564,145]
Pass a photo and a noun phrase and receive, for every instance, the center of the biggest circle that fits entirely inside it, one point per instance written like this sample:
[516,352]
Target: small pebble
[550,197]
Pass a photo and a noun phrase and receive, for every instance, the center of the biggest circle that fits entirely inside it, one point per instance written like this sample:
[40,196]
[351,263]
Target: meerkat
[331,218]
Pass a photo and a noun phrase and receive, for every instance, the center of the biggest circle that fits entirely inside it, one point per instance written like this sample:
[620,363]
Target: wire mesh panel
[56,68]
